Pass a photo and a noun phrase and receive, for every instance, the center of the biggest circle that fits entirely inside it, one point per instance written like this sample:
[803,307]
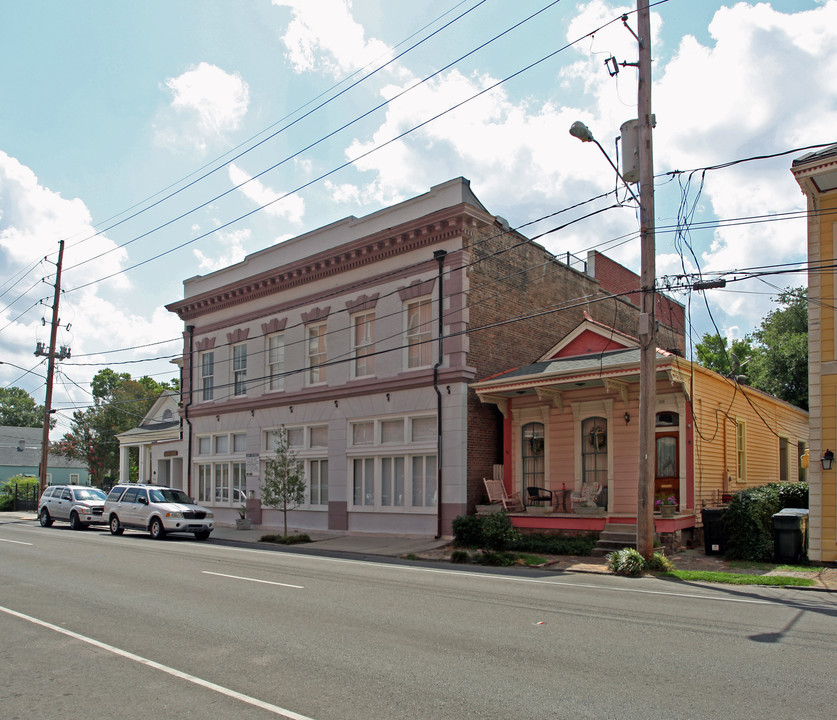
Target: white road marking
[505,578]
[162,668]
[16,542]
[255,580]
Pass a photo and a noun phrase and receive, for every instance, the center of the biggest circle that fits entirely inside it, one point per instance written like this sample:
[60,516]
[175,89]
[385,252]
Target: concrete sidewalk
[439,550]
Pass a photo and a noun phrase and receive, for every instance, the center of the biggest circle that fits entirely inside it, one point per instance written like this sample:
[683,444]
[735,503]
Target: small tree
[284,478]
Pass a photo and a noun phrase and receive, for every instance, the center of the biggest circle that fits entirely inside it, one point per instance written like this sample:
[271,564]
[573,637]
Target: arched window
[594,451]
[533,455]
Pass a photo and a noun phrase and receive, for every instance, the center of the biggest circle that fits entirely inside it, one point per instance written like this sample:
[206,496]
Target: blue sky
[110,106]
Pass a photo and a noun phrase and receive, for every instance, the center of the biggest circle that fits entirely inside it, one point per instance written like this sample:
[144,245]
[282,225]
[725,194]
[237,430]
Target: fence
[26,498]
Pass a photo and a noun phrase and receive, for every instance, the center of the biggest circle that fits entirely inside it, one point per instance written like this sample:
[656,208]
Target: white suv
[79,504]
[157,509]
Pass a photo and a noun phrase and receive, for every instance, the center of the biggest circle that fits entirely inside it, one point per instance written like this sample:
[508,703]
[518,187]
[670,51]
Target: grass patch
[286,539]
[738,578]
[530,560]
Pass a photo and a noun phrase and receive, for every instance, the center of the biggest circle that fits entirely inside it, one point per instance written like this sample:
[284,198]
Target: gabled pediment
[590,338]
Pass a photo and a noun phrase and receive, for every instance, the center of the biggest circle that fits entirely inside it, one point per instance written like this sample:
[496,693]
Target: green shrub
[496,559]
[498,533]
[748,521]
[626,561]
[467,531]
[286,539]
[7,503]
[460,556]
[556,545]
[659,563]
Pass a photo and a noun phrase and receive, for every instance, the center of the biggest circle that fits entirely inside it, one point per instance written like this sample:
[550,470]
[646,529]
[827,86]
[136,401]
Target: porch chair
[587,496]
[539,494]
[497,493]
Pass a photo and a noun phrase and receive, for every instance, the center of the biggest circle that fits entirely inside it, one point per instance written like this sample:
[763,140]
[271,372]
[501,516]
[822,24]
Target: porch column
[124,463]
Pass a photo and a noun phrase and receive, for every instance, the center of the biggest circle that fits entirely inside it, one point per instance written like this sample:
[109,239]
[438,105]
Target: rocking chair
[497,493]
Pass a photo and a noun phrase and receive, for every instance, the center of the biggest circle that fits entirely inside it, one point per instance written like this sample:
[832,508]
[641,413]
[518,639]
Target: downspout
[191,330]
[439,256]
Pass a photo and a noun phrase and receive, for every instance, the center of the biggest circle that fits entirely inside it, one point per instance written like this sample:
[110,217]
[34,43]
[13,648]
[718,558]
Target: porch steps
[615,536]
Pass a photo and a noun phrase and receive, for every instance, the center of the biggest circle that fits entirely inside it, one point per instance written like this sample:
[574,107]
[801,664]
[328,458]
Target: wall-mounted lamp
[336,404]
[387,397]
[627,418]
[827,460]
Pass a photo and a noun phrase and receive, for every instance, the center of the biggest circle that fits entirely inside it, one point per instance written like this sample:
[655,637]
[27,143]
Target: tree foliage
[119,404]
[773,358]
[284,479]
[18,409]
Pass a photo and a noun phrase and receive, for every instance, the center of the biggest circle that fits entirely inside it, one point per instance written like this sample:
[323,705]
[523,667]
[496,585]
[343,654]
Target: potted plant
[242,522]
[667,505]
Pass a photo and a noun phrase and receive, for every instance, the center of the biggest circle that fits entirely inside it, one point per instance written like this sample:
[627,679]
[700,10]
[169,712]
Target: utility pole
[50,353]
[647,320]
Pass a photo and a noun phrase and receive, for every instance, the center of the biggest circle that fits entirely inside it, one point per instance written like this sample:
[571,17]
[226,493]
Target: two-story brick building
[361,339]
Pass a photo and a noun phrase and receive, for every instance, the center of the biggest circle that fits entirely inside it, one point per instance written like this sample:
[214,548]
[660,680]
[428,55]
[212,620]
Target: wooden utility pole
[53,335]
[647,320]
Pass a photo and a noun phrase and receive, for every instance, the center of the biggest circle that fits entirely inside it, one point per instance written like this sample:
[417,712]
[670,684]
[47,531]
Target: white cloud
[207,104]
[233,244]
[32,220]
[324,36]
[291,208]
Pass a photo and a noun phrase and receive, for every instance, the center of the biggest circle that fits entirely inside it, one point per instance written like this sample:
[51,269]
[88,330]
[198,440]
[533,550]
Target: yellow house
[816,174]
[570,430]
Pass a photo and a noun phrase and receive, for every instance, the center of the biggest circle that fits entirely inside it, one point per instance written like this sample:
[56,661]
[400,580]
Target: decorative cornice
[501,402]
[364,302]
[458,221]
[417,289]
[205,344]
[238,335]
[556,397]
[316,314]
[274,326]
[617,386]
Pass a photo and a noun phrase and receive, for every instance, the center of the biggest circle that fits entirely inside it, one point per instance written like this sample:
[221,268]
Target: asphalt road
[101,627]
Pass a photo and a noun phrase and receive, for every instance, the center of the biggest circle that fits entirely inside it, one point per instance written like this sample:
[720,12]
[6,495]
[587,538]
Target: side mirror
[142,501]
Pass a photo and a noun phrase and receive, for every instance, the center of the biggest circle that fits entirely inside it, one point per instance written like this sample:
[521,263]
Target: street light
[582,132]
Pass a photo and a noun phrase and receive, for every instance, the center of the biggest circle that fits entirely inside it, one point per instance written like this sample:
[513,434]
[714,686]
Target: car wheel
[75,521]
[202,535]
[158,532]
[45,519]
[115,526]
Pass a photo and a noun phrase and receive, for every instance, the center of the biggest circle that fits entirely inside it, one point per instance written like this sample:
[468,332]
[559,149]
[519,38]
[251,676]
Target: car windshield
[90,494]
[169,495]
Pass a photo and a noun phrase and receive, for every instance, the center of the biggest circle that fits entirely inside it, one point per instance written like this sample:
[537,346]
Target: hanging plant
[598,438]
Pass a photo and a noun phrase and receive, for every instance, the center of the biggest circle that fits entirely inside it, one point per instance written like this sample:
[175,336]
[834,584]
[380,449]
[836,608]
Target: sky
[169,138]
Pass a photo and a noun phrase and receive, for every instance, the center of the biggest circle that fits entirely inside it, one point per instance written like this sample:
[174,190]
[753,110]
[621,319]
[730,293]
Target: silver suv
[79,504]
[157,509]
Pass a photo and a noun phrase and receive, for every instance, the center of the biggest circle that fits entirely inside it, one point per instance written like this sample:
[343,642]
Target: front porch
[668,530]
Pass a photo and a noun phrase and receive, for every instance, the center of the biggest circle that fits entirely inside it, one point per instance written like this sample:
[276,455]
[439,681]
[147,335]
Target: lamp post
[647,330]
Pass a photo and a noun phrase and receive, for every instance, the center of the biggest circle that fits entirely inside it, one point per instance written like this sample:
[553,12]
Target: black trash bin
[790,535]
[714,534]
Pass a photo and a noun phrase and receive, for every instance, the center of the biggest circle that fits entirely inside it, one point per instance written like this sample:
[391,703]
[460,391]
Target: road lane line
[557,582]
[16,542]
[255,580]
[275,709]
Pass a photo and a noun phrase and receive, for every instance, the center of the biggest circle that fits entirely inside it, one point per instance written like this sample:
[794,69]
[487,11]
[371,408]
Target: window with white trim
[316,335]
[393,464]
[208,375]
[310,445]
[363,344]
[222,470]
[240,369]
[74,478]
[741,451]
[784,460]
[419,333]
[276,361]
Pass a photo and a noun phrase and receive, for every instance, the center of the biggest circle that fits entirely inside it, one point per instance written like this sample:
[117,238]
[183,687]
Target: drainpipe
[191,330]
[439,256]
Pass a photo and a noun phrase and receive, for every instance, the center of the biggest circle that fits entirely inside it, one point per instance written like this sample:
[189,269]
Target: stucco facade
[816,174]
[335,336]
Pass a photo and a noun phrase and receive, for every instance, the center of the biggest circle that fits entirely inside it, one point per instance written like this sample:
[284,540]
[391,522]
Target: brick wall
[513,279]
